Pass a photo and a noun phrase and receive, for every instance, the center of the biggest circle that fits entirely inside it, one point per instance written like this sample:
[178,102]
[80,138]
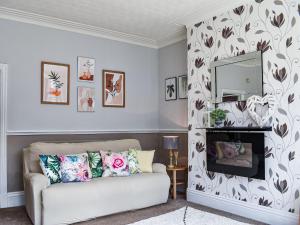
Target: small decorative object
[217,116]
[113,88]
[171,89]
[86,99]
[171,143]
[86,69]
[206,117]
[55,86]
[182,87]
[252,102]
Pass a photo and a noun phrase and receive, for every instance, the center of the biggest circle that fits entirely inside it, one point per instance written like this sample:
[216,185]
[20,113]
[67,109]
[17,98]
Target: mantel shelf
[237,128]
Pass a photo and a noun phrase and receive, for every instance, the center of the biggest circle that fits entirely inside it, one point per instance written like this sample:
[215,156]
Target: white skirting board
[249,210]
[15,199]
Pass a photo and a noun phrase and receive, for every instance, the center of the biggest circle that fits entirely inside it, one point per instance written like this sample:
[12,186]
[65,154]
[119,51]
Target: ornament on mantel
[255,100]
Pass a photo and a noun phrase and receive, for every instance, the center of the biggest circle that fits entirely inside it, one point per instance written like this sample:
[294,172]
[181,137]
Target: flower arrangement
[217,116]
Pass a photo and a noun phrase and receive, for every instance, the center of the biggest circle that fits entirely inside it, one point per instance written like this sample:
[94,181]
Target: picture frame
[85,99]
[86,69]
[55,83]
[170,88]
[113,88]
[182,87]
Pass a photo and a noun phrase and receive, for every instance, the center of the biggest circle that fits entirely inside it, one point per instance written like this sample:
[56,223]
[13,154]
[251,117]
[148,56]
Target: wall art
[85,99]
[171,88]
[86,69]
[182,87]
[55,83]
[113,88]
[273,28]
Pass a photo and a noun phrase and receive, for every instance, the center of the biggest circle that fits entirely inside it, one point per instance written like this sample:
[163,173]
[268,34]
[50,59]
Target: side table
[174,181]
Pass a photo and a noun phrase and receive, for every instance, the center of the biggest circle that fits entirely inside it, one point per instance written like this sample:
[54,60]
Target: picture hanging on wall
[55,83]
[171,89]
[85,99]
[113,89]
[86,69]
[182,87]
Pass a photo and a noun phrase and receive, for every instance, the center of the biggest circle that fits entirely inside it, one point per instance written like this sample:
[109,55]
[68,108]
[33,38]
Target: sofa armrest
[34,183]
[159,168]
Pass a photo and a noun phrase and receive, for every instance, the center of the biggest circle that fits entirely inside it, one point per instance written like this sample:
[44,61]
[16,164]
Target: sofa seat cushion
[66,203]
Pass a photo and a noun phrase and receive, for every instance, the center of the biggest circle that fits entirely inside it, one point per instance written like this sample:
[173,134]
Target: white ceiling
[152,23]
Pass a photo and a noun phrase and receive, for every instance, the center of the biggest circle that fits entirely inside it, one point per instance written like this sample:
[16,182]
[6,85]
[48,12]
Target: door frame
[3,135]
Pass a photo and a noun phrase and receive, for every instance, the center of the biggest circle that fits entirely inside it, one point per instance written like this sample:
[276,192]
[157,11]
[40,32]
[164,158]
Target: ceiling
[152,23]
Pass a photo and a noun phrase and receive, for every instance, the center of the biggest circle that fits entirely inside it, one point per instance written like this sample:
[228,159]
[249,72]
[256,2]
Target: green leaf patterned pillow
[95,162]
[51,167]
[133,162]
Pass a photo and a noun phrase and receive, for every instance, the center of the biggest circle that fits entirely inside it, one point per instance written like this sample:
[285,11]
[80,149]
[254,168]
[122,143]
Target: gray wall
[172,62]
[24,46]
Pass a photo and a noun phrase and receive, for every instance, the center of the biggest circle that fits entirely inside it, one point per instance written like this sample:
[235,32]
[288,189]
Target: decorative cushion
[51,167]
[133,162]
[115,164]
[75,168]
[95,162]
[145,159]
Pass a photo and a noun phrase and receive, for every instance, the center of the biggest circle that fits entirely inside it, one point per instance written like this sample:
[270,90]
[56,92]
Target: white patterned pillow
[115,164]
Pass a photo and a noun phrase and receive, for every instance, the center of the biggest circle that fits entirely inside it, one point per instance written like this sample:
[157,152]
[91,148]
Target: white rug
[192,217]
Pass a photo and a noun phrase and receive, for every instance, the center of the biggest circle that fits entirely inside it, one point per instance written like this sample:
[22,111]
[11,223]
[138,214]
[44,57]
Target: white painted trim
[3,149]
[15,199]
[129,131]
[172,40]
[46,21]
[198,17]
[245,209]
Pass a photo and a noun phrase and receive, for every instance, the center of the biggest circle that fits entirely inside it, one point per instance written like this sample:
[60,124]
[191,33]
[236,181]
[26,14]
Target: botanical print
[273,28]
[171,89]
[113,88]
[133,162]
[51,167]
[86,69]
[86,99]
[115,164]
[55,83]
[95,162]
[182,87]
[75,168]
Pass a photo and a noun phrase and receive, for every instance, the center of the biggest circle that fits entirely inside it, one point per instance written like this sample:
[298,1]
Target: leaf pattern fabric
[95,162]
[75,168]
[133,162]
[115,164]
[51,167]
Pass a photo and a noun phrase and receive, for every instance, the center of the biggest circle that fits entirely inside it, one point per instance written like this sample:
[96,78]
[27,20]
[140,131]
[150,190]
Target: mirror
[237,78]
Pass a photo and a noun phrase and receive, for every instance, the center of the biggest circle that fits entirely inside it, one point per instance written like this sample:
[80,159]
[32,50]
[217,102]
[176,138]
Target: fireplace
[236,153]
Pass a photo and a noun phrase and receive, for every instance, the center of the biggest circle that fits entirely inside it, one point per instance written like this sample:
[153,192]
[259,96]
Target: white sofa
[67,203]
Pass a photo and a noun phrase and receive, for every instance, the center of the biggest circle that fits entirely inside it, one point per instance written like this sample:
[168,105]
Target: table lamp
[171,143]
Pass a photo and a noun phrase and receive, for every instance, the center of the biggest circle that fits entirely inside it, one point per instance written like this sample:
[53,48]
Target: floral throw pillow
[115,164]
[75,168]
[51,167]
[133,162]
[95,162]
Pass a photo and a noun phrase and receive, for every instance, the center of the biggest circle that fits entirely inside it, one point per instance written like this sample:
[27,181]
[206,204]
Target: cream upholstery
[74,202]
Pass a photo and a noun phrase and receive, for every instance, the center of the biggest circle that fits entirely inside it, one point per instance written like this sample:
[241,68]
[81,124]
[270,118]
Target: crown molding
[196,17]
[179,36]
[66,25]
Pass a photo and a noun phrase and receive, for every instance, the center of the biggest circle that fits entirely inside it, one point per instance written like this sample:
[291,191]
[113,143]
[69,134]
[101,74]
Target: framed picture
[86,69]
[55,83]
[171,89]
[182,87]
[113,88]
[85,99]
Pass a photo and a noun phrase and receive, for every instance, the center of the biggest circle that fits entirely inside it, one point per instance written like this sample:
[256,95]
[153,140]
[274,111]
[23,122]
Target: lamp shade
[171,142]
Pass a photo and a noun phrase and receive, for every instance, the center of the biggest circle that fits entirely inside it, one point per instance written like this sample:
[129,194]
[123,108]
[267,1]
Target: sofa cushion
[102,196]
[145,159]
[51,168]
[115,164]
[31,154]
[75,168]
[95,162]
[133,162]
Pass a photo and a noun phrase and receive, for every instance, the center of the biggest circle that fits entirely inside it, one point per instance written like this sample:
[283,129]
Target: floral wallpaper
[273,27]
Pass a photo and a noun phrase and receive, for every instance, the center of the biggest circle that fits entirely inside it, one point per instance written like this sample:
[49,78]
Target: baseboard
[15,199]
[249,210]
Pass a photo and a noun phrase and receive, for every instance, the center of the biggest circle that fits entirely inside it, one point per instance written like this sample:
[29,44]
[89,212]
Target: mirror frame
[236,59]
